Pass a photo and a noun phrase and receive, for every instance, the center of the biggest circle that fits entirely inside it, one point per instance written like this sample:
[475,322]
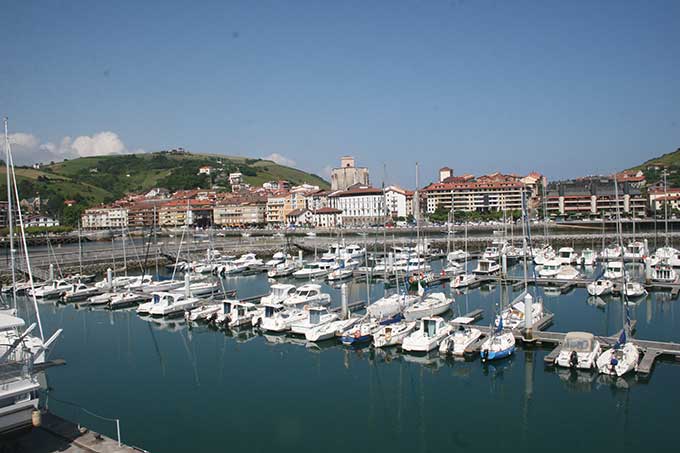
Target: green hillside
[669,161]
[102,179]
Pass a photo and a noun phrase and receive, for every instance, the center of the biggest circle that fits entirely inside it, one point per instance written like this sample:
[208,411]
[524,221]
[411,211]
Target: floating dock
[58,435]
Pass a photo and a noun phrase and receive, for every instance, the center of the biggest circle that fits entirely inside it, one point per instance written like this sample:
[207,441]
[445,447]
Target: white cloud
[27,148]
[280,159]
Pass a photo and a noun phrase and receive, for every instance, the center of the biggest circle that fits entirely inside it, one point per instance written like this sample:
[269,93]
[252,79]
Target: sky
[566,88]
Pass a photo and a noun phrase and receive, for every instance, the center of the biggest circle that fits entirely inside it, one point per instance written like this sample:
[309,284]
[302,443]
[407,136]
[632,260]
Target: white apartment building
[360,205]
[104,218]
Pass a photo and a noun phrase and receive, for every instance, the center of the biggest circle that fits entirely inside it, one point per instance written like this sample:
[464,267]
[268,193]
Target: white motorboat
[278,258]
[454,268]
[567,272]
[431,332]
[203,312]
[278,293]
[391,305]
[200,289]
[344,270]
[393,334]
[316,316]
[550,269]
[463,280]
[456,343]
[486,267]
[53,289]
[309,294]
[126,299]
[161,286]
[579,350]
[588,257]
[567,255]
[167,304]
[600,287]
[612,252]
[281,320]
[667,253]
[80,291]
[664,272]
[283,270]
[433,304]
[543,255]
[248,260]
[241,314]
[331,329]
[100,299]
[634,290]
[457,255]
[635,250]
[614,270]
[316,269]
[619,360]
[491,253]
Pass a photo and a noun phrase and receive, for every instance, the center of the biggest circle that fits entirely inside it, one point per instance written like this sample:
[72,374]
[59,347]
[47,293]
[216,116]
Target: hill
[653,168]
[102,179]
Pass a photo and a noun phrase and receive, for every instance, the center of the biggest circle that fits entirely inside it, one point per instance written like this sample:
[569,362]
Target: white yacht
[486,267]
[612,252]
[203,312]
[543,254]
[166,304]
[316,316]
[433,304]
[161,286]
[456,343]
[457,255]
[391,305]
[344,270]
[498,346]
[567,255]
[278,293]
[281,319]
[283,269]
[126,299]
[614,270]
[316,269]
[550,269]
[200,289]
[600,287]
[491,253]
[309,294]
[277,259]
[80,291]
[579,350]
[331,329]
[431,332]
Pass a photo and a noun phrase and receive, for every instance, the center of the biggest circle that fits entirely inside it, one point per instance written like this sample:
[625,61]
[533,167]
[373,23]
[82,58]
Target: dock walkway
[58,435]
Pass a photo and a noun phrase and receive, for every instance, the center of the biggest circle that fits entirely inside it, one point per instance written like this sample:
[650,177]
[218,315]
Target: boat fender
[357,333]
[573,359]
[36,418]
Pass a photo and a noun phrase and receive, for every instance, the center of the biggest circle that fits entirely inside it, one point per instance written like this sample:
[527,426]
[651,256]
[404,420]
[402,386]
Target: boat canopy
[578,342]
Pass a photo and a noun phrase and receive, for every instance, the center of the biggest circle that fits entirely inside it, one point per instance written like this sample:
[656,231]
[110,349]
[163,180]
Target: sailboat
[466,278]
[623,357]
[22,354]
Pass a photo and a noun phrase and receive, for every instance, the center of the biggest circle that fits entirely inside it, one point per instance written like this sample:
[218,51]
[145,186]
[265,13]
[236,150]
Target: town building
[326,217]
[40,221]
[240,214]
[593,197]
[660,195]
[275,210]
[299,217]
[205,170]
[396,200]
[104,218]
[197,212]
[348,174]
[360,205]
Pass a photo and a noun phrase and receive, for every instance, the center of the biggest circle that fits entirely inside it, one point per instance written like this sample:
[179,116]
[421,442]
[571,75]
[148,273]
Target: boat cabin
[431,326]
[315,314]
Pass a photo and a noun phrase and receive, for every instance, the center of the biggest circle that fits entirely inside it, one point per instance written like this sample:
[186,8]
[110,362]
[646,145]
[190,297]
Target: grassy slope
[62,177]
[671,159]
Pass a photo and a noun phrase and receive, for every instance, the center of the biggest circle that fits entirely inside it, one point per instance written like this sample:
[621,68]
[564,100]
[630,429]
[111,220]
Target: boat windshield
[430,327]
[578,344]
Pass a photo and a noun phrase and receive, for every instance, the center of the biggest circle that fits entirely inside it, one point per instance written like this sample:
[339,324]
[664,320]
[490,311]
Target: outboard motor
[573,359]
[485,355]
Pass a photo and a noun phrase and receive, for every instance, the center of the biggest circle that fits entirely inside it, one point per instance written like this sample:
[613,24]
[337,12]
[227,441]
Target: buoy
[36,418]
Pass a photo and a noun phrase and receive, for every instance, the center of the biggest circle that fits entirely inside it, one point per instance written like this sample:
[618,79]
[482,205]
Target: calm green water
[177,389]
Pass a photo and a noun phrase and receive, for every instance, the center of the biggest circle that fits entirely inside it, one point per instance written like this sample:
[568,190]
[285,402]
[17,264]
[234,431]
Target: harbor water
[180,389]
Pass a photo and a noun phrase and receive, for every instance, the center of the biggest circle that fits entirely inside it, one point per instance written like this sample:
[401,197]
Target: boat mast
[416,201]
[665,205]
[80,253]
[10,167]
[385,213]
[624,307]
[10,220]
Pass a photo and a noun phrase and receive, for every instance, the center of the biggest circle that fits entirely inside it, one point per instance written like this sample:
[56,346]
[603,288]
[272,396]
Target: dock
[56,434]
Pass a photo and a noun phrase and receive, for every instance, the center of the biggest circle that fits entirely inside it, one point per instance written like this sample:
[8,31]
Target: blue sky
[562,87]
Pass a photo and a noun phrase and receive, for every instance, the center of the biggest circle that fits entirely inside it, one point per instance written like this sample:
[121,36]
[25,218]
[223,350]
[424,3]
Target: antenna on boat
[10,168]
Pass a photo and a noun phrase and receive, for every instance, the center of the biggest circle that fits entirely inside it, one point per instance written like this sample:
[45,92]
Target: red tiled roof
[327,211]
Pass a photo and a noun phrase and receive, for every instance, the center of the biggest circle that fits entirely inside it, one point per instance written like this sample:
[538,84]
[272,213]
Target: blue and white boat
[362,333]
[499,345]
